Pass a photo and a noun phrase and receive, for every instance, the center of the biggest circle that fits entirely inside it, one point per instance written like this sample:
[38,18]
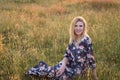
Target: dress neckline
[77,43]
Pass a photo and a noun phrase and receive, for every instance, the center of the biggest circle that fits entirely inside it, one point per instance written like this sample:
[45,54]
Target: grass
[35,30]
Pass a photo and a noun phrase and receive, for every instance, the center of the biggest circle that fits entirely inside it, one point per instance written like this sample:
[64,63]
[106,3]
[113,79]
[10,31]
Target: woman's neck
[77,38]
[77,41]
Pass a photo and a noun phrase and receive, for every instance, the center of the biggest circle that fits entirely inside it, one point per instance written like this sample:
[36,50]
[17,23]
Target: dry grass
[32,32]
[96,1]
[1,44]
[110,1]
[56,9]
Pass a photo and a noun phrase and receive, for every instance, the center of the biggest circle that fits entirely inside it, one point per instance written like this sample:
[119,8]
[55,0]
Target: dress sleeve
[68,53]
[90,56]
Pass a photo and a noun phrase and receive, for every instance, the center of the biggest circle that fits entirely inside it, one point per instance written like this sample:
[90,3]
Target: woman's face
[79,28]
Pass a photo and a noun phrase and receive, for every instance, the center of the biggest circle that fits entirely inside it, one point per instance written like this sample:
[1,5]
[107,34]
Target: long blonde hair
[72,25]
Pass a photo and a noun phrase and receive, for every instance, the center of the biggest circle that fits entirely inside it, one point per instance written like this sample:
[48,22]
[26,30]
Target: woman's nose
[78,27]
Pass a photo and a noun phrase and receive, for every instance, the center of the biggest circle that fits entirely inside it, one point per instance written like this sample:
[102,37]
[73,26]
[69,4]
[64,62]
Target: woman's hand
[61,69]
[63,66]
[95,75]
[95,78]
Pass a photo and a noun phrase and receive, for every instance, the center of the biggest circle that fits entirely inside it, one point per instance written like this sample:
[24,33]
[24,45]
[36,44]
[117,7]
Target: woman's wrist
[95,74]
[65,60]
[63,64]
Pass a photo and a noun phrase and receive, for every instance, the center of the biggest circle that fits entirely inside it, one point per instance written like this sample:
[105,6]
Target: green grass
[35,30]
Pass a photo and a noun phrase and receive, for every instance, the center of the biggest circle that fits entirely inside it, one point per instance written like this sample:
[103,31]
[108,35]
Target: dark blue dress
[79,57]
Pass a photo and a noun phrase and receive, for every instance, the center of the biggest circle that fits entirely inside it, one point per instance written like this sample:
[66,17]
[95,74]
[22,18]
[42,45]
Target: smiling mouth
[78,31]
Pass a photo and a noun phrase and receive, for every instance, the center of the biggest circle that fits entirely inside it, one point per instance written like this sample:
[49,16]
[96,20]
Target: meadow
[38,30]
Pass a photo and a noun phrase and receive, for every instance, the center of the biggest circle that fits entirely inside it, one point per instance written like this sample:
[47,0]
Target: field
[35,30]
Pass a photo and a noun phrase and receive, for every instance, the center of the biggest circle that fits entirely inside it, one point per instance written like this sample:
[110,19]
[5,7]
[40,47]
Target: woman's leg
[38,70]
[65,77]
[43,70]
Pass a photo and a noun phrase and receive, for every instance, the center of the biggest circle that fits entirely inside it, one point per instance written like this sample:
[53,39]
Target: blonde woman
[78,53]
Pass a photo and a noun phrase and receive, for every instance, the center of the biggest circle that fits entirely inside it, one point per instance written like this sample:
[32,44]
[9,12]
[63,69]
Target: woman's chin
[78,34]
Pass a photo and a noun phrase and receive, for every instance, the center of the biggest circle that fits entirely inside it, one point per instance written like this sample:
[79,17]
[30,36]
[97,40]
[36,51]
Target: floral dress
[78,56]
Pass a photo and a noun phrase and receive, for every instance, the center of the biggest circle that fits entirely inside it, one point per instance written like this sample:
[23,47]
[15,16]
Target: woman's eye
[80,25]
[75,25]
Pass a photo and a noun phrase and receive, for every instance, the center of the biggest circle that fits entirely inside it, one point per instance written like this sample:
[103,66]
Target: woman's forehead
[79,22]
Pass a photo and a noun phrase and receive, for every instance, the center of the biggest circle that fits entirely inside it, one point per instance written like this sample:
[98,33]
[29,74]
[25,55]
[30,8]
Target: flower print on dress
[81,47]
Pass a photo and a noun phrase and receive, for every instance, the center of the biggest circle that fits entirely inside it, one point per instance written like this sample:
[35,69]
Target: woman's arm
[62,68]
[94,74]
[91,58]
[65,60]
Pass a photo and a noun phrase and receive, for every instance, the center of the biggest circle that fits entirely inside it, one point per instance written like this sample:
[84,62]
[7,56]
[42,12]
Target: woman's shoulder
[86,37]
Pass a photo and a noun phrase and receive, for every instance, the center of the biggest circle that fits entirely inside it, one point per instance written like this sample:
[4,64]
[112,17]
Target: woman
[78,55]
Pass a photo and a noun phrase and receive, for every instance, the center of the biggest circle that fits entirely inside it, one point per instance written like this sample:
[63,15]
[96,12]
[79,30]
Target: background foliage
[35,30]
